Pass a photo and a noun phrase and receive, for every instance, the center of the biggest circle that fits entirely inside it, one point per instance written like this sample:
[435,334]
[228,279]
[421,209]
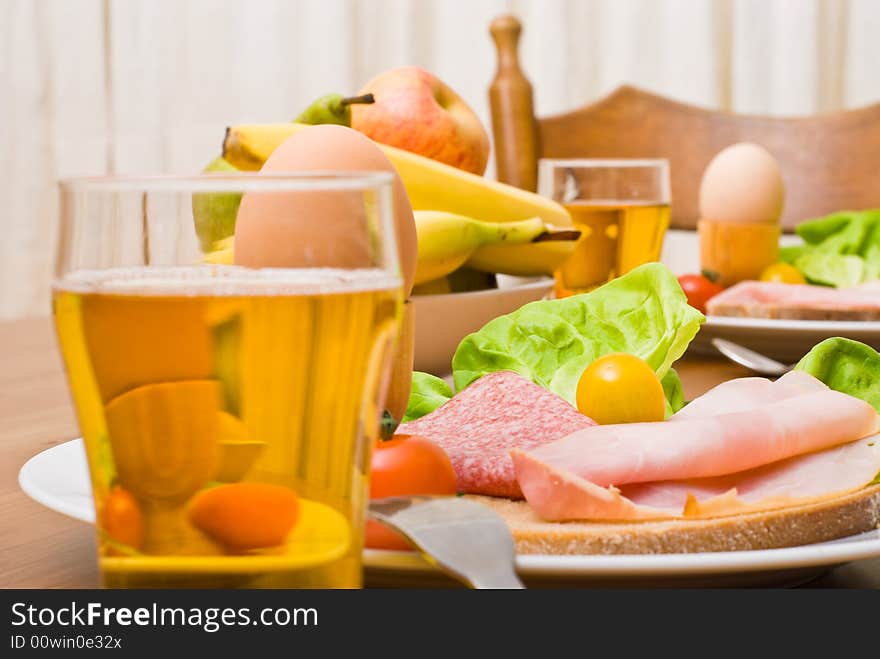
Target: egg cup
[737,251]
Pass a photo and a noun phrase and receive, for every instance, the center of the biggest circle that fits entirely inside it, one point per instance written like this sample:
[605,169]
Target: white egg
[742,184]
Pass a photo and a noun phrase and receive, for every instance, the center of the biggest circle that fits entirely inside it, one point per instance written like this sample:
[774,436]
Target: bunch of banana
[436,187]
[430,185]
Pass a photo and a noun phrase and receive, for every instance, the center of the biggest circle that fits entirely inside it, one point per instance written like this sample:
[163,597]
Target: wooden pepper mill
[513,122]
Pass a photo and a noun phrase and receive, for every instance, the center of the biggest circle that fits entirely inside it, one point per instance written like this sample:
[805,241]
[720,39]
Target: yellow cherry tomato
[782,273]
[620,388]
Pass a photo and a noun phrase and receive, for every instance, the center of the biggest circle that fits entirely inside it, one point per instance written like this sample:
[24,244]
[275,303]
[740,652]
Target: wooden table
[40,548]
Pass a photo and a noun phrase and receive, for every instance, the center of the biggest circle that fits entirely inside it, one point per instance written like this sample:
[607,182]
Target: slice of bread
[784,527]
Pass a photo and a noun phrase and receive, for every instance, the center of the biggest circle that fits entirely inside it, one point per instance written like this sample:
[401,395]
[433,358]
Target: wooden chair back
[829,162]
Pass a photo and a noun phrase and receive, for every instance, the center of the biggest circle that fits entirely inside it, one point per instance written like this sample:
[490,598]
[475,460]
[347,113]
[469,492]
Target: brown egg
[321,228]
[742,185]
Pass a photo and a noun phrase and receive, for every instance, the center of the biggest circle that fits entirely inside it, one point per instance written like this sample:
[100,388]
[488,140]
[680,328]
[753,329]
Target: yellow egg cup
[737,252]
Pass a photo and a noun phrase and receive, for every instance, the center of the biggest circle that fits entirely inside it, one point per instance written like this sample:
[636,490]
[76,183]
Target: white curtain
[137,86]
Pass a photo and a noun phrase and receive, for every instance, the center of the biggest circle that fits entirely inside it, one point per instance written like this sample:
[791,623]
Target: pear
[332,109]
[214,213]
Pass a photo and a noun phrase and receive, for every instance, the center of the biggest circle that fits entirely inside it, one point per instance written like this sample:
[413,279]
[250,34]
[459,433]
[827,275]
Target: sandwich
[751,464]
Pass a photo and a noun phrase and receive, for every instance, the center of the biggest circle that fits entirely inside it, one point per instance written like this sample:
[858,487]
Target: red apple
[416,111]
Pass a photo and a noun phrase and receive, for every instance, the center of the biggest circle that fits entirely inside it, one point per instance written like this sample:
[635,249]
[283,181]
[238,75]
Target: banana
[529,260]
[447,240]
[430,185]
[248,146]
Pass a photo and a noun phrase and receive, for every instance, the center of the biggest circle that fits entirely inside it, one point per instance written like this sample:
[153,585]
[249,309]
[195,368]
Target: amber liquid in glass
[192,379]
[616,236]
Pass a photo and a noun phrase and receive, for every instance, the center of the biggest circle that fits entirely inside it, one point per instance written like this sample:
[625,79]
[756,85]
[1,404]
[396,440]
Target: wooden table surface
[40,548]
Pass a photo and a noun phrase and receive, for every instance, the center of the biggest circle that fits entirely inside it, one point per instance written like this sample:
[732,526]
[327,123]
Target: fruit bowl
[442,321]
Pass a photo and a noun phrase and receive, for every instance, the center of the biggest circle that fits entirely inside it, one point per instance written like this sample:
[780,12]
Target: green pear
[332,109]
[214,213]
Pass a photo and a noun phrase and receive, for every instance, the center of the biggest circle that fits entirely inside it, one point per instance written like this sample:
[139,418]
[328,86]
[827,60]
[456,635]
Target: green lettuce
[674,392]
[841,249]
[847,366]
[839,270]
[551,342]
[427,394]
[790,253]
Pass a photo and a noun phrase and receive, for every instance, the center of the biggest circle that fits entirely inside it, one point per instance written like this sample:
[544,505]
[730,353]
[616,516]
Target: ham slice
[747,393]
[480,425]
[558,495]
[713,445]
[704,462]
[760,299]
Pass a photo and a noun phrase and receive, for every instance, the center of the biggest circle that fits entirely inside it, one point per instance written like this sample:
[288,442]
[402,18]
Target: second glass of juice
[621,208]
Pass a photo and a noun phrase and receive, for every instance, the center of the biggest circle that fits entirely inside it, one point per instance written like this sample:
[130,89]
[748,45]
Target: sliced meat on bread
[756,299]
[785,527]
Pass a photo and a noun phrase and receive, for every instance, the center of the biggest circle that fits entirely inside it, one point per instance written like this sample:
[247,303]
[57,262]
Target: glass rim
[587,163]
[231,181]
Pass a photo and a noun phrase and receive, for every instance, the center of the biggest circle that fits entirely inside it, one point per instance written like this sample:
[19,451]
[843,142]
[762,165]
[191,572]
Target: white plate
[58,478]
[785,340]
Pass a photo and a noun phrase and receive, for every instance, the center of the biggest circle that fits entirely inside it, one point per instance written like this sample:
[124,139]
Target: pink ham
[594,473]
[760,299]
[558,495]
[480,425]
[713,445]
[747,393]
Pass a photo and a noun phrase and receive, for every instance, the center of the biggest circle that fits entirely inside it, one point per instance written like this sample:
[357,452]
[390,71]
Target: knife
[465,539]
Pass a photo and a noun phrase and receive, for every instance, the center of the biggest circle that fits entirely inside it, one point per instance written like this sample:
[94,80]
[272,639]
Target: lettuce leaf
[674,392]
[427,394]
[551,342]
[825,269]
[820,229]
[841,249]
[790,253]
[847,366]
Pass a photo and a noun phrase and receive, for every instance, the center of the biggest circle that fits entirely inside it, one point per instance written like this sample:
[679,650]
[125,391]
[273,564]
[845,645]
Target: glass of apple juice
[228,410]
[621,208]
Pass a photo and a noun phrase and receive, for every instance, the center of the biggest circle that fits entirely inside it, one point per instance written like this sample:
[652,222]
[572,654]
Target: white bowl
[442,321]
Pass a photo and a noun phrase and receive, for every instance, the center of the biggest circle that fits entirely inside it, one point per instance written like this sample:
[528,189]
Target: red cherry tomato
[698,289]
[406,464]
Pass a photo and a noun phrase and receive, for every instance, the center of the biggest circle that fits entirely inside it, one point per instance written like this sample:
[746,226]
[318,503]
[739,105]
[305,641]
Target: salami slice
[480,425]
